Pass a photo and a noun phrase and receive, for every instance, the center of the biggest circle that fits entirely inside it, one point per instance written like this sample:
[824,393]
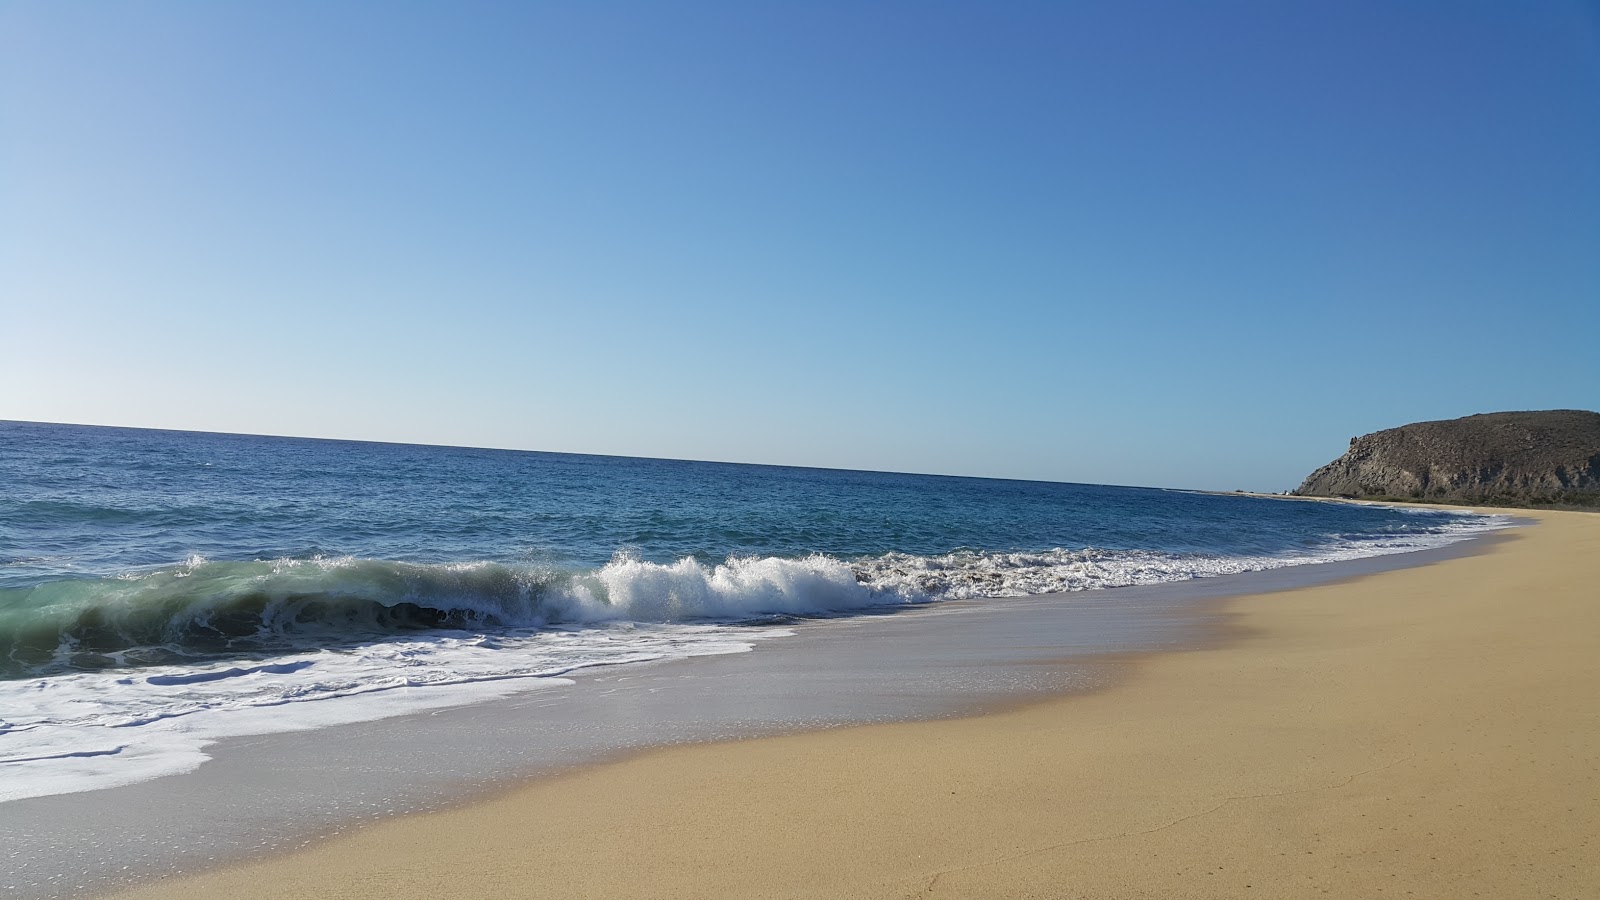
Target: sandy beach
[1423,732]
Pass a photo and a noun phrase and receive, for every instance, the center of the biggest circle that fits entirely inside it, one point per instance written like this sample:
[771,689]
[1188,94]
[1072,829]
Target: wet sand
[1427,732]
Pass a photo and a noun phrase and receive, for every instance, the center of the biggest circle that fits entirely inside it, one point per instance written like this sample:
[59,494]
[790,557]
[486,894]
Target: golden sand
[1426,732]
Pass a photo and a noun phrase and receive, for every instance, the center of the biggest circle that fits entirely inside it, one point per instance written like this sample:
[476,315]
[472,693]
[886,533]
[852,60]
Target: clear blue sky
[1169,243]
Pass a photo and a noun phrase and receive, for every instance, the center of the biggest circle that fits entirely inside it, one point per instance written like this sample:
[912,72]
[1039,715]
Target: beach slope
[1425,732]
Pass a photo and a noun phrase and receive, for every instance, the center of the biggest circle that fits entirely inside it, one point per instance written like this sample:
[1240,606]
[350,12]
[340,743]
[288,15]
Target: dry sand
[1426,732]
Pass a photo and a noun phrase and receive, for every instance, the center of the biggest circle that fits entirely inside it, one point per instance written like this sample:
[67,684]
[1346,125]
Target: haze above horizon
[1135,243]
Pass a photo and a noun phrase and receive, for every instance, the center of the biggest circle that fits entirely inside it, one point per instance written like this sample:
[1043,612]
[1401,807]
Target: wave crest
[206,610]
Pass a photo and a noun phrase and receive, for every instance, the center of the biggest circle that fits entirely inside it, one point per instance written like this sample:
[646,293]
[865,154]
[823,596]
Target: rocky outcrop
[1517,458]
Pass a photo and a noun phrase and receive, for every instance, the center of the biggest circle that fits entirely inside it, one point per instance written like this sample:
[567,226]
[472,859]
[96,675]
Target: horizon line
[721,462]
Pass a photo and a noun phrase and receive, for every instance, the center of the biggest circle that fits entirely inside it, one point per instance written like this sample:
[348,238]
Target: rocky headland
[1549,457]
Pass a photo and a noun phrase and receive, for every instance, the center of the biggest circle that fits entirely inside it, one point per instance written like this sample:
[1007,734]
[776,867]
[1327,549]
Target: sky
[1157,243]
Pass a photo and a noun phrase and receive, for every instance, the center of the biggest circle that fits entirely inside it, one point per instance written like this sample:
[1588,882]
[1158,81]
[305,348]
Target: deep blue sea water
[179,586]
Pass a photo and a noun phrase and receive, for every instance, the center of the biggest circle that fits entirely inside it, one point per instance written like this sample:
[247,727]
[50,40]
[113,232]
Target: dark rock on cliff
[1517,458]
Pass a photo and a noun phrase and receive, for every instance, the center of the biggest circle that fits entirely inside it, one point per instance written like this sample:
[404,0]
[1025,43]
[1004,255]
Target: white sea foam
[90,730]
[966,574]
[95,729]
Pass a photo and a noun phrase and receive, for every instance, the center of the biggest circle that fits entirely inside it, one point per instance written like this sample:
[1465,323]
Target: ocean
[161,591]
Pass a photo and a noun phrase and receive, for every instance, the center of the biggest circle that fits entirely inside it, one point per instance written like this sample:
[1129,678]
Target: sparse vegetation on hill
[1544,458]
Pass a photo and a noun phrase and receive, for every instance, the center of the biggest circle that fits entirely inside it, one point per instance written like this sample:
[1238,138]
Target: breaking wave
[203,610]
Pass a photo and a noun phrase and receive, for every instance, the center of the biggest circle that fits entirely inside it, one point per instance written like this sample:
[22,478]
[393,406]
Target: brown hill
[1516,458]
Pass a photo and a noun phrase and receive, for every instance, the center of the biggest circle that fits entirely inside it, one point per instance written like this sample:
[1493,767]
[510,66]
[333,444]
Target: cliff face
[1509,457]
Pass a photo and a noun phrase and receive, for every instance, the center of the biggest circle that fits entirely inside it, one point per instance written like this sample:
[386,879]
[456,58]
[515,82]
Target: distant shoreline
[1406,502]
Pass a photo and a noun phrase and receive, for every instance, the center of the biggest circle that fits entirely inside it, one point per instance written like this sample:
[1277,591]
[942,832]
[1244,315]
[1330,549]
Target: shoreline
[372,857]
[262,796]
[1404,503]
[97,858]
